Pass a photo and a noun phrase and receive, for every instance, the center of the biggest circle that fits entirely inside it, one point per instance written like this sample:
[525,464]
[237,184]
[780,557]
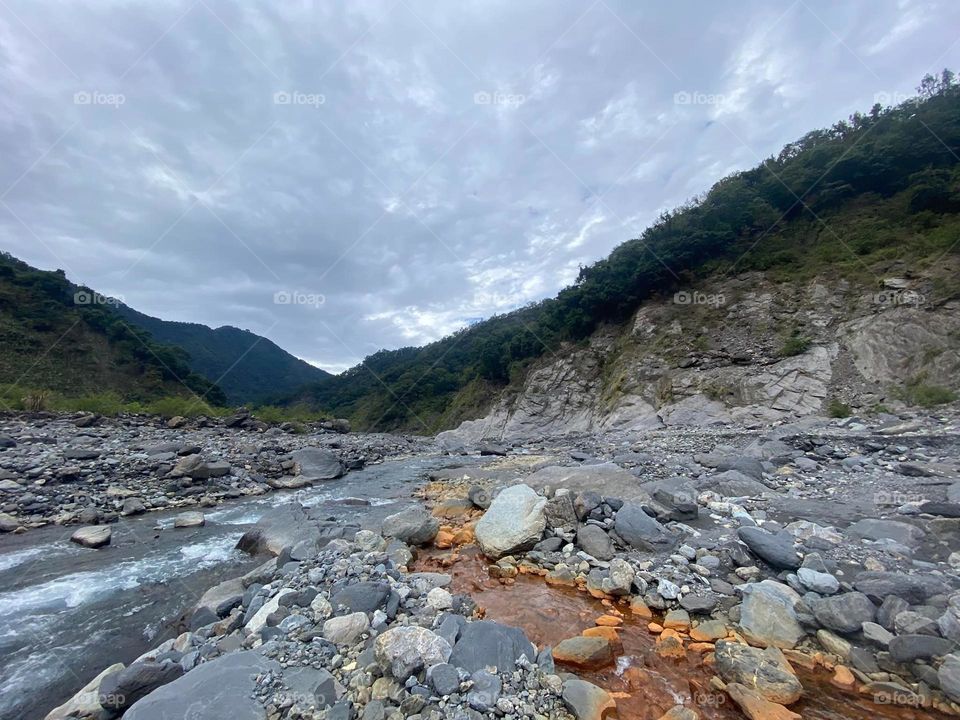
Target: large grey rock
[485,692]
[734,483]
[486,644]
[777,550]
[220,689]
[594,541]
[189,519]
[345,629]
[412,525]
[407,650]
[949,677]
[86,702]
[766,671]
[907,648]
[311,686]
[222,598]
[317,464]
[366,596]
[845,613]
[585,700]
[94,536]
[122,689]
[874,529]
[444,678]
[514,522]
[819,582]
[915,589]
[639,530]
[768,615]
[286,526]
[559,512]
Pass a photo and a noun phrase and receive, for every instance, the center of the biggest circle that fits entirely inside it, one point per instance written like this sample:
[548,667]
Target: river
[66,612]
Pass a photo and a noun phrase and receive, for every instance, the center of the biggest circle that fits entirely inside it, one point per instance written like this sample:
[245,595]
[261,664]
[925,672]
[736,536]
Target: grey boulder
[639,530]
[515,521]
[777,550]
[412,525]
[486,644]
[317,464]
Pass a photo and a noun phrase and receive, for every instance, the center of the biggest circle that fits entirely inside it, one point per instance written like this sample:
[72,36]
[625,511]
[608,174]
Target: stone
[777,550]
[365,597]
[404,651]
[514,522]
[756,707]
[914,589]
[86,702]
[439,599]
[585,700]
[479,496]
[698,602]
[949,677]
[189,519]
[819,582]
[120,690]
[345,630]
[412,525]
[768,615]
[834,644]
[317,464]
[844,613]
[874,529]
[222,598]
[133,506]
[310,686]
[766,671]
[619,579]
[94,536]
[639,530]
[485,693]
[877,634]
[907,648]
[485,643]
[594,541]
[444,678]
[560,513]
[233,675]
[584,653]
[8,523]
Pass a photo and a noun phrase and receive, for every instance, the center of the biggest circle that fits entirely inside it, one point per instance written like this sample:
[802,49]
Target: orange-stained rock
[756,707]
[586,653]
[609,621]
[843,678]
[671,646]
[701,647]
[605,632]
[799,658]
[709,631]
[655,628]
[639,608]
[444,539]
[635,677]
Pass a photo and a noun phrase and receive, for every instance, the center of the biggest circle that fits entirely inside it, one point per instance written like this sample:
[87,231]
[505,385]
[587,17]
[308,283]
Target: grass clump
[796,344]
[927,396]
[838,409]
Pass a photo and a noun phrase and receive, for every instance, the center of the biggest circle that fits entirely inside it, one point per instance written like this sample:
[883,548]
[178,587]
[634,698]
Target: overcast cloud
[419,165]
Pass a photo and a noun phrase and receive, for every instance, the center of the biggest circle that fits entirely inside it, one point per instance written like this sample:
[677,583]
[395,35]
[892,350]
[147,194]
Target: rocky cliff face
[744,350]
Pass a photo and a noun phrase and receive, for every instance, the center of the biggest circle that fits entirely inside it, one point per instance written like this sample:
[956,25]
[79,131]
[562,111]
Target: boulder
[639,530]
[189,519]
[133,506]
[514,522]
[234,677]
[94,536]
[222,598]
[594,541]
[345,629]
[765,671]
[845,613]
[914,589]
[485,643]
[412,525]
[365,597]
[819,582]
[907,648]
[404,651]
[874,529]
[479,496]
[949,677]
[757,707]
[768,615]
[485,693]
[585,700]
[311,686]
[560,512]
[444,678]
[86,702]
[777,550]
[122,689]
[317,464]
[584,653]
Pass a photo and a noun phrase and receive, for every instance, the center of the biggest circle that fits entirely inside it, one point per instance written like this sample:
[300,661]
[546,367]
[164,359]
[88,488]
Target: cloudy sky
[344,177]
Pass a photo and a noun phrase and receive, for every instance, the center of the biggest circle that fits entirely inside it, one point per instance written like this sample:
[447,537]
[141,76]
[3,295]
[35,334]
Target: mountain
[249,368]
[868,208]
[58,337]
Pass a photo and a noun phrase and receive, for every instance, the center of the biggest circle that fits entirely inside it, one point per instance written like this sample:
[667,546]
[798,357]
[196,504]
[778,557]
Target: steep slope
[57,336]
[249,368]
[873,197]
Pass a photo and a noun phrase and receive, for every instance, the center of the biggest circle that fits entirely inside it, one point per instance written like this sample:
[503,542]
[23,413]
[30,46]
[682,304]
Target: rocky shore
[90,470]
[822,552]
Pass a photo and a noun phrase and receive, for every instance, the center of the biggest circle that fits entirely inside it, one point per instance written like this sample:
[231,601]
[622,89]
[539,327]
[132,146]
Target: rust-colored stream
[645,684]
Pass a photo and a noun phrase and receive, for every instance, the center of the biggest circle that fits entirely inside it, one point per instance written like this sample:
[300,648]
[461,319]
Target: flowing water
[66,612]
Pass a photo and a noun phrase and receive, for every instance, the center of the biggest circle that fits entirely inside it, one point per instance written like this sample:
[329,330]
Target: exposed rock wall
[723,354]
